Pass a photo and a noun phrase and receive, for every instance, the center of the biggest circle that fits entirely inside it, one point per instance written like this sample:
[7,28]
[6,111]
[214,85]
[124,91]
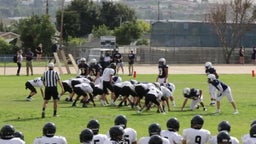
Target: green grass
[25,116]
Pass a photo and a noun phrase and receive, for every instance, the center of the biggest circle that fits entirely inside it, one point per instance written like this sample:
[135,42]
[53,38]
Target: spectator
[196,95]
[224,90]
[29,57]
[118,59]
[31,84]
[19,61]
[253,55]
[50,79]
[39,52]
[241,55]
[131,58]
[54,50]
[49,137]
[191,135]
[224,126]
[7,136]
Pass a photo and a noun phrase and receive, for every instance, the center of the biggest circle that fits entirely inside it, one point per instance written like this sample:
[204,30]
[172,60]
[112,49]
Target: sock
[55,112]
[43,109]
[29,96]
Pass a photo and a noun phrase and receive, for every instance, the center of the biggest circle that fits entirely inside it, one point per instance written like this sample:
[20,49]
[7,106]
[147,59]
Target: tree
[4,46]
[101,30]
[35,30]
[230,22]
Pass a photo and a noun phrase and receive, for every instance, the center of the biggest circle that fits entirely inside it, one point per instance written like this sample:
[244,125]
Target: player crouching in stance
[195,95]
[196,134]
[82,90]
[224,90]
[31,85]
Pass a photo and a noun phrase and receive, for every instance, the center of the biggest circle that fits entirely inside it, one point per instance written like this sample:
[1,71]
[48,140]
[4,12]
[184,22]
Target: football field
[26,116]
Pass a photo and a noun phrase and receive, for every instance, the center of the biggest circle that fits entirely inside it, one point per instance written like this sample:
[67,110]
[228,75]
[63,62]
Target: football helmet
[208,65]
[86,136]
[224,126]
[253,123]
[93,61]
[155,139]
[223,138]
[112,65]
[197,122]
[116,133]
[186,91]
[173,124]
[211,77]
[94,125]
[83,59]
[7,132]
[162,61]
[49,129]
[19,134]
[253,131]
[121,120]
[154,129]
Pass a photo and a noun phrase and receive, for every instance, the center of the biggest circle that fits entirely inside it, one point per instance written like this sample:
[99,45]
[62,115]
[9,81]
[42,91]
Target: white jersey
[50,140]
[81,80]
[130,136]
[199,136]
[247,139]
[213,140]
[173,137]
[107,74]
[145,140]
[99,139]
[68,82]
[116,79]
[110,142]
[37,82]
[12,141]
[166,92]
[85,87]
[171,87]
[155,91]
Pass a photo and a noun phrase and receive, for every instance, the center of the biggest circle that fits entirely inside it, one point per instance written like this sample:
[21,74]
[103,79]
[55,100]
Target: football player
[49,131]
[162,76]
[107,84]
[83,68]
[95,70]
[155,139]
[209,69]
[153,129]
[196,133]
[68,88]
[171,133]
[251,139]
[224,90]
[116,135]
[7,136]
[167,90]
[224,126]
[75,81]
[19,134]
[130,135]
[86,136]
[94,125]
[125,89]
[82,90]
[247,136]
[223,137]
[31,85]
[195,95]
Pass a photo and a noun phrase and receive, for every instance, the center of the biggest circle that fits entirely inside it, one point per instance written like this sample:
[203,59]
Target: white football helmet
[93,61]
[186,91]
[83,59]
[208,65]
[162,61]
[211,77]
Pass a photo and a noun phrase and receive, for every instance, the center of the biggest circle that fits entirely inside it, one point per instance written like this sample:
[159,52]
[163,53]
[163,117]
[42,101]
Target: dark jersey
[117,57]
[131,57]
[84,68]
[211,71]
[194,94]
[219,85]
[162,73]
[96,69]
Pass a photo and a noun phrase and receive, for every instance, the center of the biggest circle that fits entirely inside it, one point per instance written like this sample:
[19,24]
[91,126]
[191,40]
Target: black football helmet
[173,124]
[113,66]
[49,129]
[121,120]
[197,122]
[7,132]
[94,125]
[155,139]
[223,138]
[86,136]
[116,133]
[19,134]
[154,129]
[253,131]
[253,122]
[224,125]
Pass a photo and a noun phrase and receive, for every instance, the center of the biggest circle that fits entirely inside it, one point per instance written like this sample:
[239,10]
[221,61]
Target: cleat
[217,111]
[28,99]
[236,112]
[139,111]
[212,103]
[43,115]
[55,115]
[204,109]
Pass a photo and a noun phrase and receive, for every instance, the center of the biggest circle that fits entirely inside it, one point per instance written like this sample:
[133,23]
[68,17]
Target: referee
[50,79]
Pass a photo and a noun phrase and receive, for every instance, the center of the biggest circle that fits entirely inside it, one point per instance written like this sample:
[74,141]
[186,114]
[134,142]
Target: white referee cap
[51,65]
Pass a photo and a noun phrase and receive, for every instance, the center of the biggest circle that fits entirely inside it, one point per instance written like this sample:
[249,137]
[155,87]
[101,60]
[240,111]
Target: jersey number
[96,141]
[126,139]
[198,139]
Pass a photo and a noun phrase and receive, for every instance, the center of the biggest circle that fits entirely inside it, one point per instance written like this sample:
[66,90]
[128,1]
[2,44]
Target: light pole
[158,10]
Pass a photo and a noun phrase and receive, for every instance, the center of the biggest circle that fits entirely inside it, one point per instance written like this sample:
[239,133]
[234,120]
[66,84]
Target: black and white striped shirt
[50,78]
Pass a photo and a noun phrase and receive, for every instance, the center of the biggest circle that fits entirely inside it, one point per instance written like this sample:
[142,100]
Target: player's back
[196,136]
[213,140]
[12,141]
[130,135]
[173,137]
[145,140]
[50,140]
[99,139]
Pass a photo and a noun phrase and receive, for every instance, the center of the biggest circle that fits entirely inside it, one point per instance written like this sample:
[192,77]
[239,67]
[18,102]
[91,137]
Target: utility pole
[47,7]
[158,10]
